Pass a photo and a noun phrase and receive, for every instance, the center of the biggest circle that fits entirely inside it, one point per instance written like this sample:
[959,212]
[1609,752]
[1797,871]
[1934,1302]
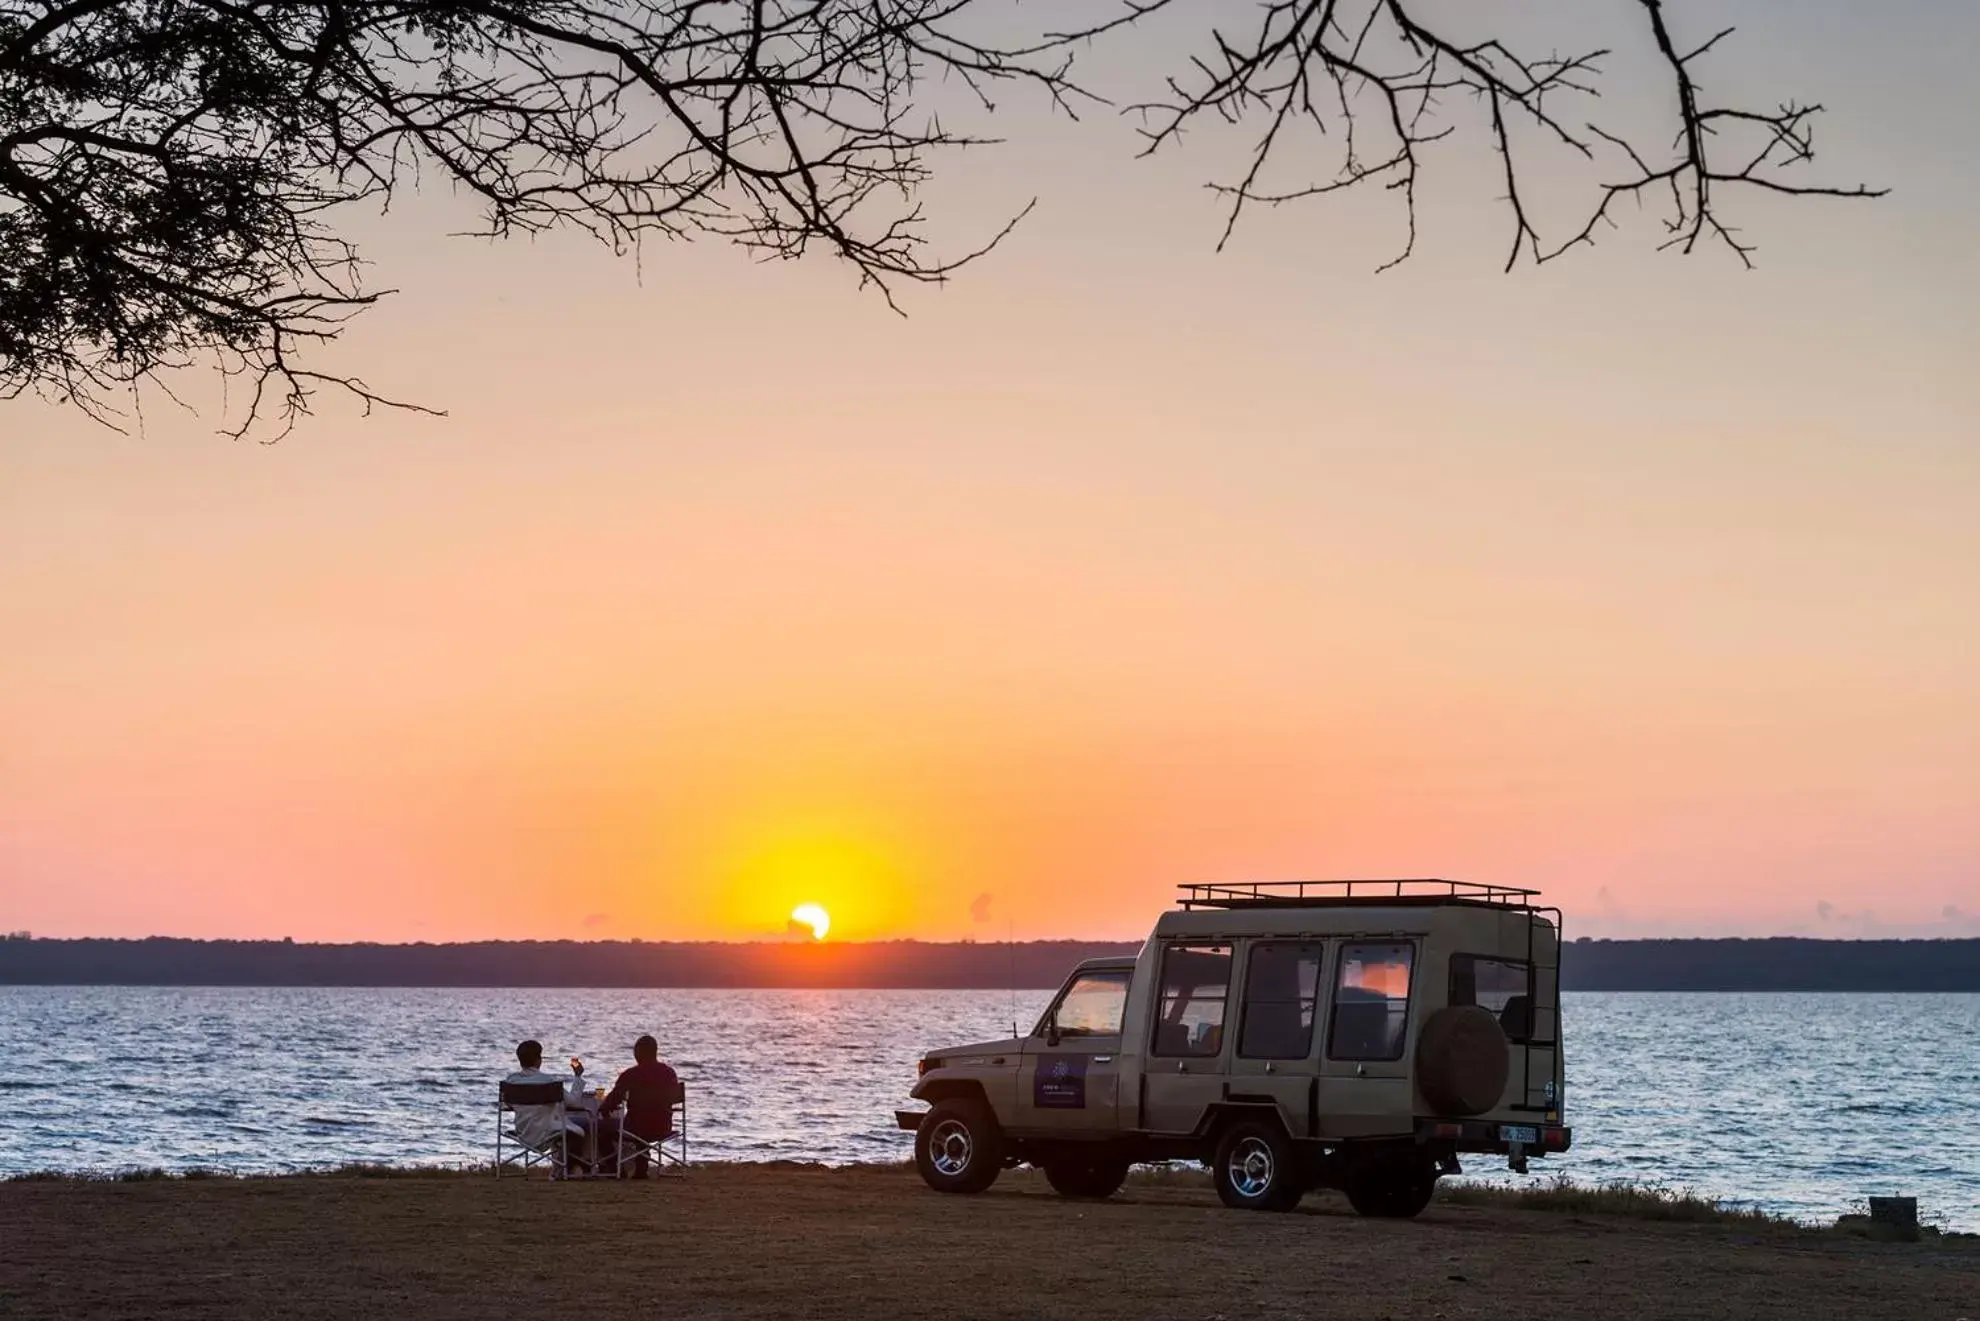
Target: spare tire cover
[1462,1060]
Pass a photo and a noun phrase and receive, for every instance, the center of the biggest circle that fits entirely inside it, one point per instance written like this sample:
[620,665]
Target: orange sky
[1116,564]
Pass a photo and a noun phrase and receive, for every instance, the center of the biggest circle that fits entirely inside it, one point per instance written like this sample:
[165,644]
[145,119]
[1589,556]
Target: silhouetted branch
[168,170]
[1381,66]
[1785,137]
[171,170]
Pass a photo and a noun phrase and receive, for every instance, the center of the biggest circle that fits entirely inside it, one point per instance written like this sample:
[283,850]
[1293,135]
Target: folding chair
[556,1150]
[668,1154]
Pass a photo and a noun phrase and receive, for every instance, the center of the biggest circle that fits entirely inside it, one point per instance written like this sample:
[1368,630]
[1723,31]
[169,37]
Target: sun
[813,916]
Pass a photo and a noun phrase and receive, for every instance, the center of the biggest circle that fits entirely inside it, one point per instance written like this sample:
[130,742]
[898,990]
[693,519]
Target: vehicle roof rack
[1391,892]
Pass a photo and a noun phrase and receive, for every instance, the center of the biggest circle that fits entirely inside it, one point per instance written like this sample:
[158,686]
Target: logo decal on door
[1060,1083]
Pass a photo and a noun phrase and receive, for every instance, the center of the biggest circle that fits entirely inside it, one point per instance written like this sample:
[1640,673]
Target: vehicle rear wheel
[1392,1192]
[1085,1176]
[1253,1168]
[959,1148]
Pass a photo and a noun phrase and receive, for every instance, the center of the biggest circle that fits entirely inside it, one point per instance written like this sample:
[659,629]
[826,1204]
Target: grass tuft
[1629,1201]
[146,1174]
[151,1174]
[376,1170]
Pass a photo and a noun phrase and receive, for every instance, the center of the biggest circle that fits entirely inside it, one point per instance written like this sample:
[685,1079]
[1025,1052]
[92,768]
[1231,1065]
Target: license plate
[1522,1133]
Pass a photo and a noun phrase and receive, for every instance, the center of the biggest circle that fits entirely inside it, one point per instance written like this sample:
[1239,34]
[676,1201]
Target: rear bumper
[908,1119]
[1492,1136]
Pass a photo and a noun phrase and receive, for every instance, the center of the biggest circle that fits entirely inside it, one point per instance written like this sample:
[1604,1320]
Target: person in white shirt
[537,1124]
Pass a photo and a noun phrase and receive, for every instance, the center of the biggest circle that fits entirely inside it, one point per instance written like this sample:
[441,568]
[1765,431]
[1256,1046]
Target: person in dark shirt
[647,1091]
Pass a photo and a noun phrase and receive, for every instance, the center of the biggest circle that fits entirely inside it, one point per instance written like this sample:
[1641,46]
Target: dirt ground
[790,1242]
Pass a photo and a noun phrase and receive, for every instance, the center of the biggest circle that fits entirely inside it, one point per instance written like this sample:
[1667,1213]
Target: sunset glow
[723,593]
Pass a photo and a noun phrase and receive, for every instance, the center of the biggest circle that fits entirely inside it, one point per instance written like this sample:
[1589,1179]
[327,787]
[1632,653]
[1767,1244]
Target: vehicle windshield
[1092,1005]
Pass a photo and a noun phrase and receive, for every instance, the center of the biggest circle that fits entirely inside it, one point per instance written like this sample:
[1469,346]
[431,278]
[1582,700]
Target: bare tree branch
[1705,137]
[169,168]
[171,171]
[1383,65]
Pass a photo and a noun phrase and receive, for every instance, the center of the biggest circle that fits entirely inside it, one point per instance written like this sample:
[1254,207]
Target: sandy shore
[777,1242]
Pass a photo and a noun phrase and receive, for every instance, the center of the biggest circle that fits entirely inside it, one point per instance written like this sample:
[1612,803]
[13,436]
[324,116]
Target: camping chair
[669,1154]
[556,1150]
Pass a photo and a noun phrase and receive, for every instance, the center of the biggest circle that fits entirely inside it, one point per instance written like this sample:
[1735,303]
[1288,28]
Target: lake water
[1803,1104]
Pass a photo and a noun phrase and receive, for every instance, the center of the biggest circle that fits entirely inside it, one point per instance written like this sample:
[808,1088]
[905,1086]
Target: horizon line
[802,942]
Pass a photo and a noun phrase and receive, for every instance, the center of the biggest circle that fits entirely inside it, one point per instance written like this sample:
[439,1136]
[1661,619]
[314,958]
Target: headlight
[925,1064]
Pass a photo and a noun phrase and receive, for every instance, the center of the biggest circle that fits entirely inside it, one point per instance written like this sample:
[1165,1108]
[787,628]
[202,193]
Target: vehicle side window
[1281,984]
[1502,987]
[1371,1001]
[1189,1020]
[1092,1005]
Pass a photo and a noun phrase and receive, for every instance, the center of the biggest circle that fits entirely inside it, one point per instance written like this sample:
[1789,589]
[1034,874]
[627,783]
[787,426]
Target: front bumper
[908,1119]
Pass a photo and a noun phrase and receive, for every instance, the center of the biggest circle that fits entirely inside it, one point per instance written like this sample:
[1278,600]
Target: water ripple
[1802,1104]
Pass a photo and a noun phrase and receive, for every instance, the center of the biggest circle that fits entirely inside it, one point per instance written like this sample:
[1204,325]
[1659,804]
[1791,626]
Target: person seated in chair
[537,1124]
[647,1090]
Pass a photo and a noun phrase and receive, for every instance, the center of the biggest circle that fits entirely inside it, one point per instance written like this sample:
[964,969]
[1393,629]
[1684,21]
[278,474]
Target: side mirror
[1052,1034]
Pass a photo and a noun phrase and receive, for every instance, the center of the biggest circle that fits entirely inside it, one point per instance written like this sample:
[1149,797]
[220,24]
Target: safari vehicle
[1359,1035]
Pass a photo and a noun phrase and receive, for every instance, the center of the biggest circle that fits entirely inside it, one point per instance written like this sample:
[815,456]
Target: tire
[1393,1191]
[959,1148]
[1086,1177]
[1253,1168]
[1462,1060]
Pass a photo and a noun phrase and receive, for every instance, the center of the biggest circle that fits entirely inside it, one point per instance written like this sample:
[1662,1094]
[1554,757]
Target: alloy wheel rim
[950,1148]
[1251,1167]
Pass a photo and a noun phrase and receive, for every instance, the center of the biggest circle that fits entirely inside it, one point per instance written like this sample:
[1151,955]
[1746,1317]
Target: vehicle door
[1364,1079]
[1510,990]
[1187,1046]
[1278,1016]
[1069,1079]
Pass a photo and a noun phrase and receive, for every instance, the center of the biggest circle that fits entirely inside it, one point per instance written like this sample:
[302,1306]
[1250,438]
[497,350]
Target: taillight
[1451,1131]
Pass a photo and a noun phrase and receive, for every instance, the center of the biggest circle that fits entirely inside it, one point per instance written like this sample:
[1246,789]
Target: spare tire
[1462,1060]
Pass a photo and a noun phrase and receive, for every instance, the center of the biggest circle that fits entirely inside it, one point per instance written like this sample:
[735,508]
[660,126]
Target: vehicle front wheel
[959,1148]
[1086,1177]
[1393,1192]
[1253,1168]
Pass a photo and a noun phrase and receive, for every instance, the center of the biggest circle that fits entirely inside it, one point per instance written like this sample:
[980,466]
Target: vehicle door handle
[1103,1059]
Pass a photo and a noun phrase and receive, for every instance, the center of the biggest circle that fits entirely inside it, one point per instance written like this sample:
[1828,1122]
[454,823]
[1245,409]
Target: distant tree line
[1784,964]
[172,962]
